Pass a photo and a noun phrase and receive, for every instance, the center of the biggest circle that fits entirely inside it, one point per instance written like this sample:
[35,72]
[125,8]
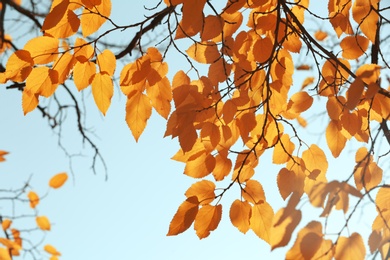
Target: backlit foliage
[236,101]
[17,238]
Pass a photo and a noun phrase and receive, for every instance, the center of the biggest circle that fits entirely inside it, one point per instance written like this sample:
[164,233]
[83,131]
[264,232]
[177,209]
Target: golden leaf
[58,180]
[240,212]
[102,91]
[207,220]
[261,220]
[203,190]
[43,223]
[184,217]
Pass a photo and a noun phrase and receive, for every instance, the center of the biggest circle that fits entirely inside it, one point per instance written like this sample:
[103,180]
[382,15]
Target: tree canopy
[256,78]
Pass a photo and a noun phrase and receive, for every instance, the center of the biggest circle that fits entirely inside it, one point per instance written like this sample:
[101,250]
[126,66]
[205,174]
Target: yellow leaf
[57,11]
[283,150]
[207,220]
[184,217]
[160,95]
[138,111]
[354,46]
[82,50]
[43,223]
[261,220]
[19,66]
[63,65]
[42,81]
[366,17]
[307,82]
[5,254]
[92,19]
[203,190]
[204,52]
[300,102]
[102,91]
[83,74]
[320,35]
[308,242]
[350,248]
[240,212]
[33,198]
[334,138]
[51,250]
[201,166]
[58,180]
[43,49]
[283,224]
[223,166]
[253,192]
[29,101]
[106,62]
[6,224]
[61,22]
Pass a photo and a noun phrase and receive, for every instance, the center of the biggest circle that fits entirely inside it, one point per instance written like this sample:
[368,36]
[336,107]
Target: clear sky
[127,216]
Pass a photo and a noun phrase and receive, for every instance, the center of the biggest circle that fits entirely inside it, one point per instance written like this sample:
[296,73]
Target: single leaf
[308,81]
[350,248]
[212,27]
[138,111]
[58,180]
[66,27]
[223,166]
[374,240]
[240,212]
[283,150]
[290,180]
[336,141]
[43,223]
[207,220]
[283,224]
[261,220]
[320,35]
[160,95]
[55,15]
[366,17]
[43,49]
[184,217]
[253,192]
[82,50]
[33,198]
[102,91]
[63,66]
[203,190]
[29,101]
[300,102]
[92,19]
[6,224]
[42,81]
[204,53]
[106,62]
[19,66]
[83,74]
[354,93]
[51,250]
[354,46]
[201,166]
[5,254]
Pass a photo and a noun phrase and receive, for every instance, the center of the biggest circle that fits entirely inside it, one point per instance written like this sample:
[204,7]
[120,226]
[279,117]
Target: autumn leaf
[207,220]
[261,220]
[51,250]
[240,212]
[61,22]
[102,91]
[138,111]
[350,248]
[43,49]
[33,198]
[223,166]
[160,95]
[2,154]
[366,17]
[203,190]
[82,50]
[201,166]
[19,66]
[354,46]
[58,180]
[336,141]
[83,74]
[94,17]
[43,223]
[283,224]
[106,62]
[320,35]
[6,224]
[184,216]
[204,52]
[300,102]
[42,81]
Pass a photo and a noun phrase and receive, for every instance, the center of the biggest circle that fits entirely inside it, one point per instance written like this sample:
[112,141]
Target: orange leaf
[61,22]
[193,18]
[2,154]
[354,46]
[51,250]
[300,102]
[83,74]
[283,224]
[92,19]
[207,220]
[82,50]
[29,101]
[320,35]
[334,138]
[253,192]
[239,213]
[63,65]
[42,81]
[33,198]
[350,248]
[354,93]
[283,150]
[203,190]
[290,181]
[19,66]
[261,220]
[201,166]
[6,224]
[212,27]
[102,91]
[223,166]
[184,216]
[307,82]
[5,254]
[138,111]
[160,95]
[204,52]
[210,135]
[58,180]
[262,49]
[43,223]
[308,242]
[107,62]
[43,49]
[55,15]
[366,17]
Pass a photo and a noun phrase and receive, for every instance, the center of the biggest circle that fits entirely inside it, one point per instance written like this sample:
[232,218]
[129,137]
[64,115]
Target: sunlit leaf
[336,141]
[184,217]
[106,62]
[102,91]
[6,224]
[58,180]
[33,198]
[207,220]
[83,74]
[204,53]
[354,46]
[203,190]
[43,49]
[51,250]
[19,66]
[43,223]
[42,81]
[261,220]
[352,248]
[92,19]
[283,224]
[138,111]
